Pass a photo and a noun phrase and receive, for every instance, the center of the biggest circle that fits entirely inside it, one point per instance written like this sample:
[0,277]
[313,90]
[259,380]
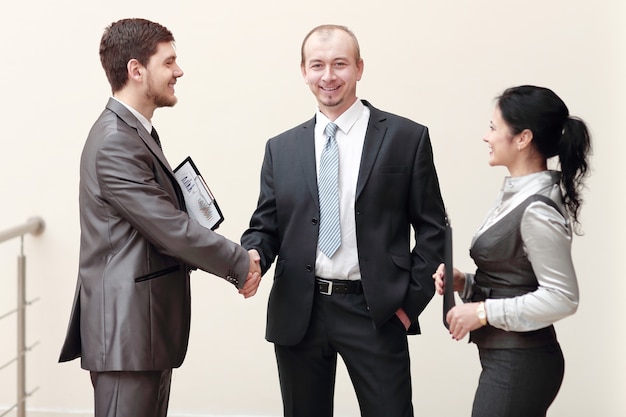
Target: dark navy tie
[155,135]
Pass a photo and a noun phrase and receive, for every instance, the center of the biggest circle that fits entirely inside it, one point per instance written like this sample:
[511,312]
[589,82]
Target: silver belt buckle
[329,291]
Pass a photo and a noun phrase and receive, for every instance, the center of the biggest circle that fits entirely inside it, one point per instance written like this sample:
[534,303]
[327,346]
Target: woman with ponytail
[525,278]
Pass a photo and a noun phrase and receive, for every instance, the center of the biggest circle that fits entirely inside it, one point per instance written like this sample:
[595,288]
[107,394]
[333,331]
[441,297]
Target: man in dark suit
[131,315]
[360,296]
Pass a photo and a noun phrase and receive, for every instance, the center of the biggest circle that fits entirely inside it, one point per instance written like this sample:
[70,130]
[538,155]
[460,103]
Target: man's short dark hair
[129,39]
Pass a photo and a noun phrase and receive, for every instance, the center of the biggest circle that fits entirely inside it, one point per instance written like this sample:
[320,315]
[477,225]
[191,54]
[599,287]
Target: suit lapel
[306,154]
[130,119]
[374,136]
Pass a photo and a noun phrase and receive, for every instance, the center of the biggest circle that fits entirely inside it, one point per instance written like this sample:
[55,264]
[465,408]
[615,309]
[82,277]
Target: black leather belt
[482,293]
[338,286]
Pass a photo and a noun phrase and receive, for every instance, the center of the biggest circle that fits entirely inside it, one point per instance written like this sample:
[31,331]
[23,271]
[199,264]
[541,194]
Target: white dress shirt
[350,136]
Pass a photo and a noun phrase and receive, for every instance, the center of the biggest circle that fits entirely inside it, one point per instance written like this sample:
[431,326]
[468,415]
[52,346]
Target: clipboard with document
[199,200]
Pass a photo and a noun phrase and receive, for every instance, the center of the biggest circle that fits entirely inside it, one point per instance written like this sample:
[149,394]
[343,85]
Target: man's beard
[332,102]
[160,100]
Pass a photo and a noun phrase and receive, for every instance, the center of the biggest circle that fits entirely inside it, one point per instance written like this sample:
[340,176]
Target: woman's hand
[439,277]
[463,319]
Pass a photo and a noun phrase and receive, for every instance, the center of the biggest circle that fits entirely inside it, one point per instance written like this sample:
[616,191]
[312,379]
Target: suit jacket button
[314,221]
[309,268]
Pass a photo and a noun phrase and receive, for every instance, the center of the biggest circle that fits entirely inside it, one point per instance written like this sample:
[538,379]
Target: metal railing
[34,226]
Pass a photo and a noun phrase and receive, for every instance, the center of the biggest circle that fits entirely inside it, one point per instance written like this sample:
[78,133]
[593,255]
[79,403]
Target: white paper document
[201,204]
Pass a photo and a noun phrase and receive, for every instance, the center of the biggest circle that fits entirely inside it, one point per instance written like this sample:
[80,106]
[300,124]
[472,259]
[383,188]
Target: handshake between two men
[254,276]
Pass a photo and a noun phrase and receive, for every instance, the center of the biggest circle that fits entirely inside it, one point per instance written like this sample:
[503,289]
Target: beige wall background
[439,63]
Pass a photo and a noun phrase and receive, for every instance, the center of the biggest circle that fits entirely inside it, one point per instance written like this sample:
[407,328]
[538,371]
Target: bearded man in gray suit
[131,315]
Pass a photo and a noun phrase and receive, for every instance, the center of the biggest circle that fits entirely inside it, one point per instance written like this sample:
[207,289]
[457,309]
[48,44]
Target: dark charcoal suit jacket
[397,189]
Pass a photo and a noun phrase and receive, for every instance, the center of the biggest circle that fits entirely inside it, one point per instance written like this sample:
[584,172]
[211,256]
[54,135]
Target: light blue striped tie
[329,238]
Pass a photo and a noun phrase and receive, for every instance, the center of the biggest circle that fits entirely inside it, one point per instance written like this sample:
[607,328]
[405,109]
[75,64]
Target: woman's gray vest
[504,271]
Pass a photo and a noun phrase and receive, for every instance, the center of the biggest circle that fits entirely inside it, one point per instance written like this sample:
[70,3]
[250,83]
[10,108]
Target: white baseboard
[47,412]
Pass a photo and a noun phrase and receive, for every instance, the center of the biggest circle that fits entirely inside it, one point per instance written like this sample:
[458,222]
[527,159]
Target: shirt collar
[512,185]
[142,119]
[346,121]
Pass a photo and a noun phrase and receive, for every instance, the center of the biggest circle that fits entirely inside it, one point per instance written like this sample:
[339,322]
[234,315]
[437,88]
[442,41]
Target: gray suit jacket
[397,190]
[132,305]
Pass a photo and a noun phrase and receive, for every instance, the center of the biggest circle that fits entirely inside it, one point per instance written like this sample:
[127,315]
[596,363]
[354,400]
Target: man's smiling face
[332,70]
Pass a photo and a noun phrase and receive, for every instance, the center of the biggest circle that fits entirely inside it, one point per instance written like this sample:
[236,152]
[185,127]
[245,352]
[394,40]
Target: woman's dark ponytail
[574,149]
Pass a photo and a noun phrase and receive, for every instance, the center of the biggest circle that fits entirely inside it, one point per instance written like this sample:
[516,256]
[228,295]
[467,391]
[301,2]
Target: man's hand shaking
[254,276]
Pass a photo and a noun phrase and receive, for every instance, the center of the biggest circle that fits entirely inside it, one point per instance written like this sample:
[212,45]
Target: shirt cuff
[467,293]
